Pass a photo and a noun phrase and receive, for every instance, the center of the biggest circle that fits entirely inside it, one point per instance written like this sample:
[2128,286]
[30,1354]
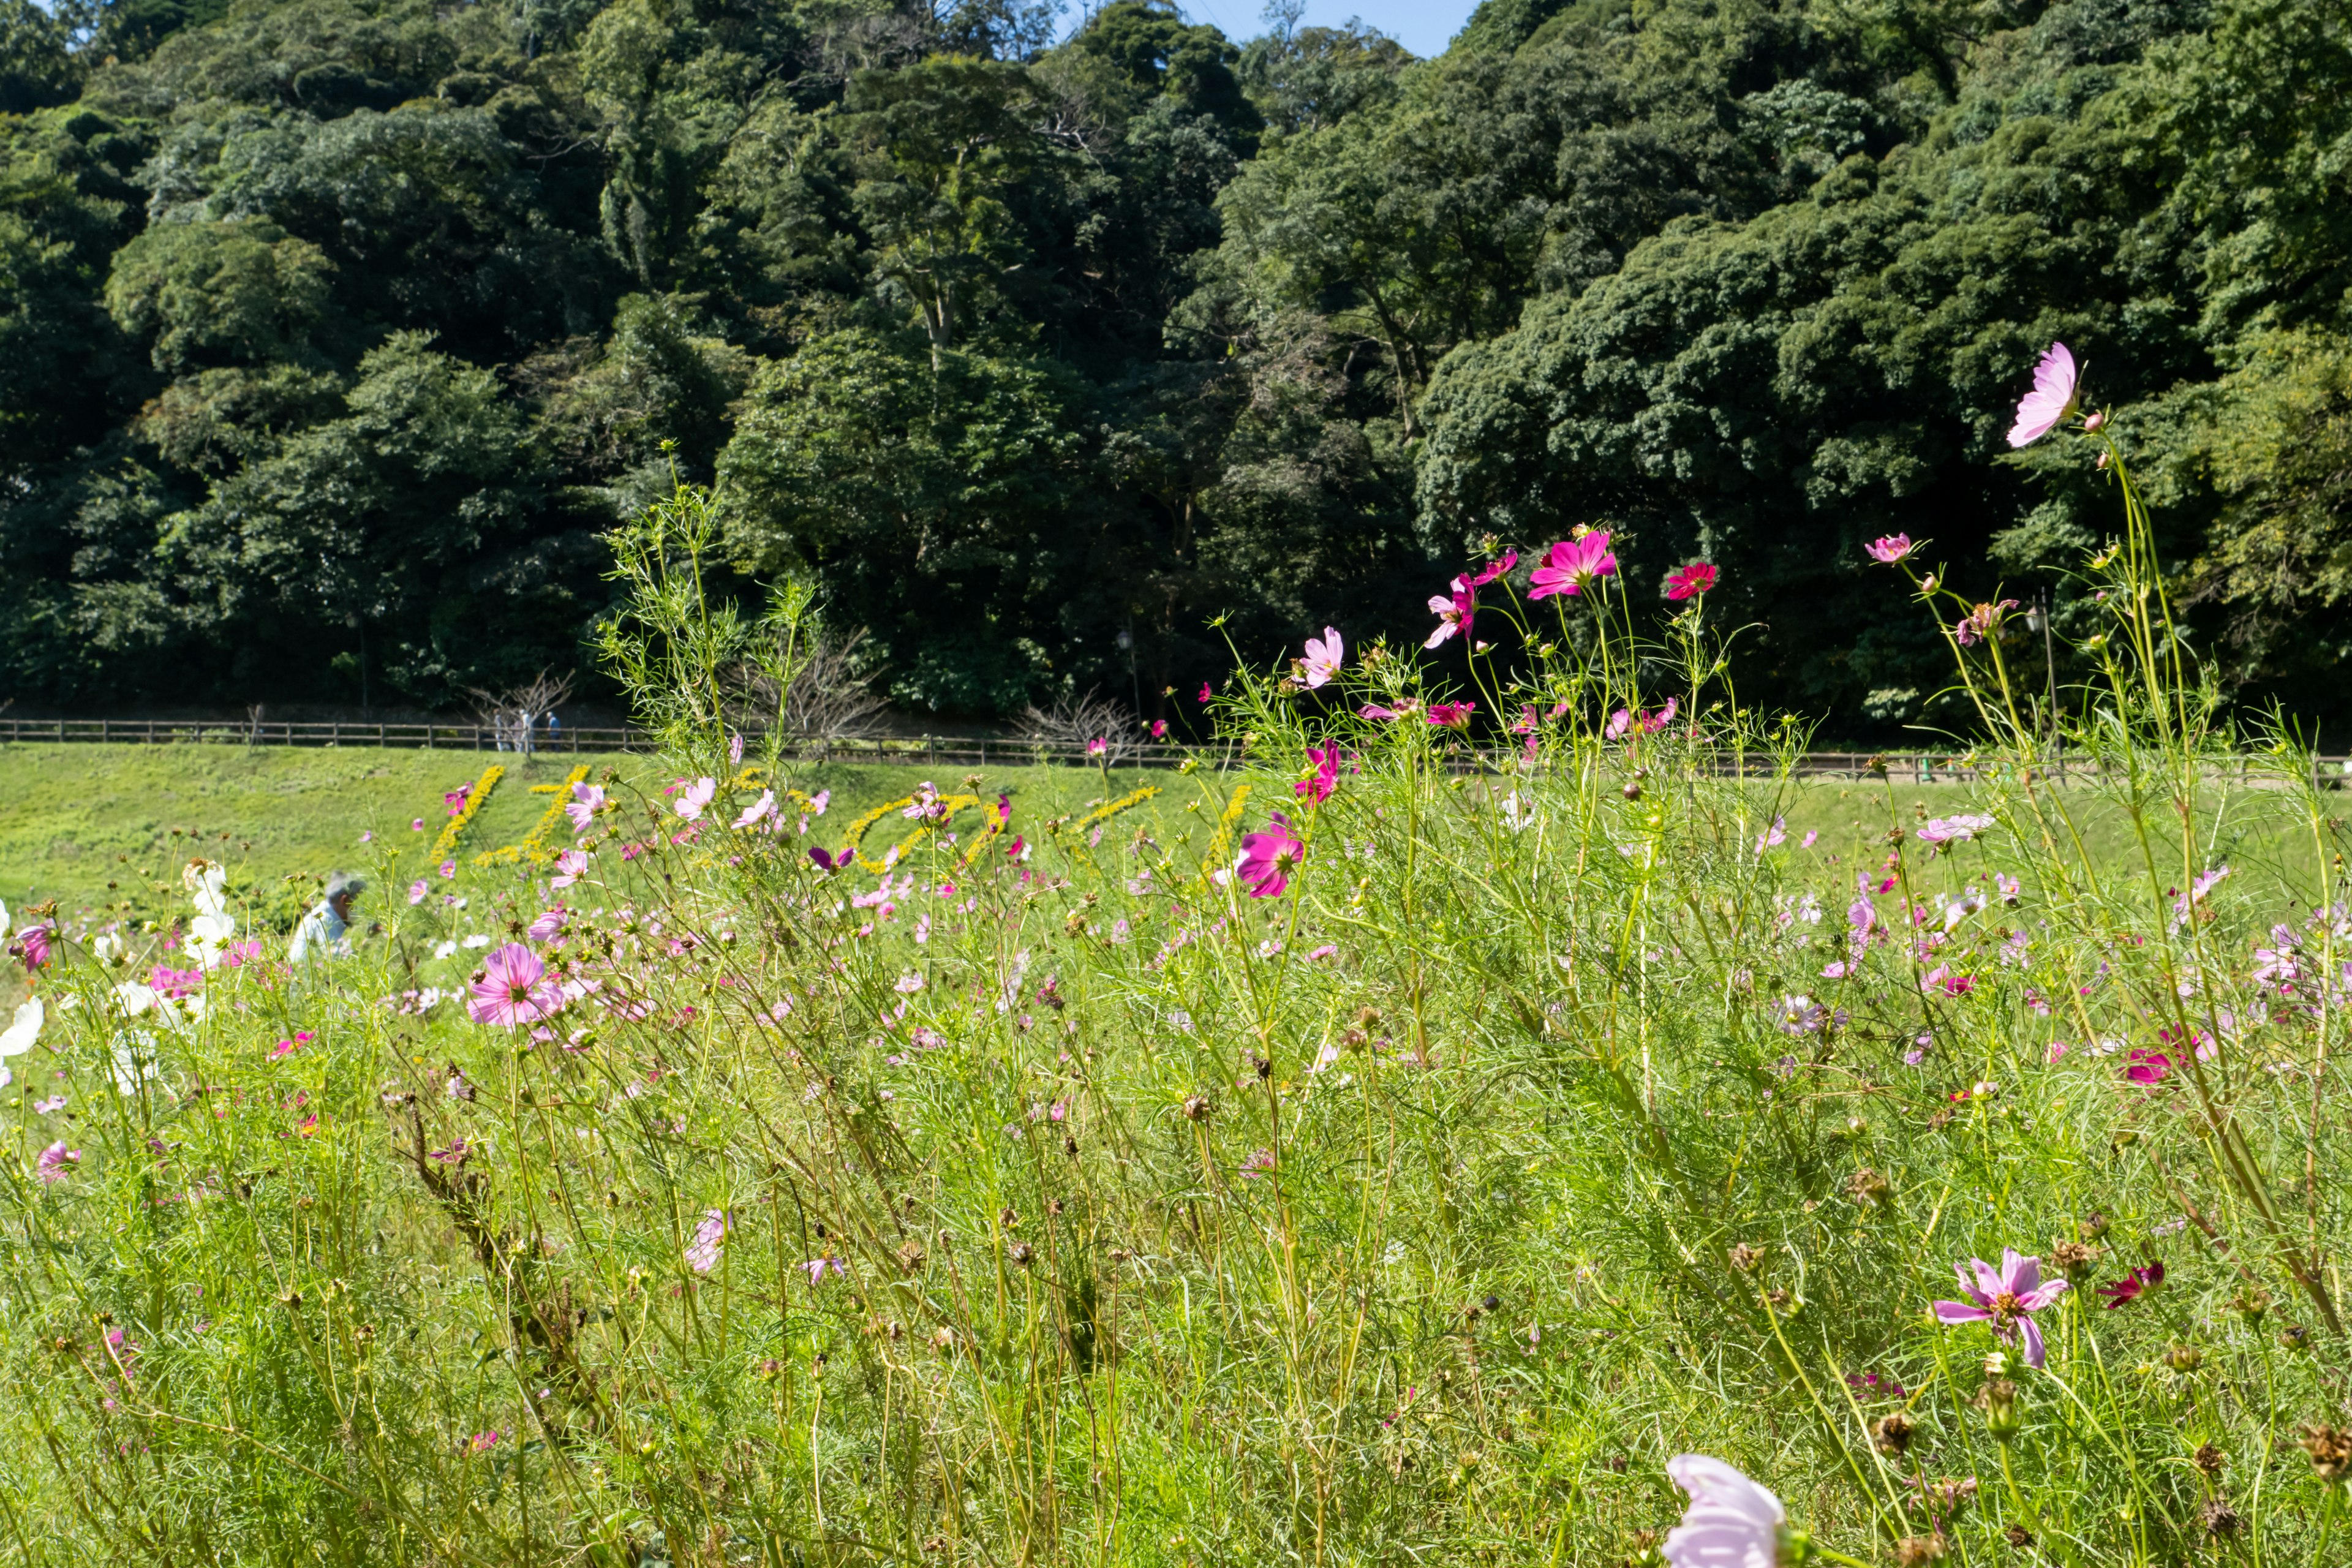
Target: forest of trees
[334,333]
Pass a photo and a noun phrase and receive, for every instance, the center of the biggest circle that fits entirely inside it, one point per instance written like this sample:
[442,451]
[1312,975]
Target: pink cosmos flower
[2148,1068]
[417,825]
[694,798]
[587,801]
[1953,829]
[734,750]
[1980,623]
[1160,729]
[456,799]
[515,988]
[1328,949]
[2007,1299]
[1731,1522]
[55,1160]
[1318,788]
[1455,613]
[1574,565]
[1204,692]
[702,1252]
[2040,411]
[1099,747]
[570,867]
[764,807]
[1260,1163]
[1451,715]
[416,892]
[1693,580]
[1268,858]
[817,1267]
[483,1442]
[1888,549]
[1494,569]
[1324,657]
[32,946]
[549,922]
[447,869]
[1403,710]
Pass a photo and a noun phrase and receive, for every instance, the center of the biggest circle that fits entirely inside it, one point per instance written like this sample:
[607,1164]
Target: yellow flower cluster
[1215,854]
[534,849]
[474,799]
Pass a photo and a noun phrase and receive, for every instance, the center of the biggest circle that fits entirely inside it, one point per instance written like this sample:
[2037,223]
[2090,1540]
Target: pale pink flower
[1324,657]
[818,1266]
[570,867]
[416,891]
[2040,411]
[1691,580]
[55,1160]
[587,801]
[1099,747]
[1618,723]
[1574,566]
[1731,1522]
[702,1252]
[447,869]
[515,988]
[695,798]
[549,922]
[1403,710]
[734,750]
[1455,613]
[2007,1299]
[1980,623]
[762,807]
[1268,858]
[1890,548]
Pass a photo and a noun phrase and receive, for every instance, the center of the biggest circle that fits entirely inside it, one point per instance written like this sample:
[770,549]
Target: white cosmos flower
[1731,1522]
[19,1038]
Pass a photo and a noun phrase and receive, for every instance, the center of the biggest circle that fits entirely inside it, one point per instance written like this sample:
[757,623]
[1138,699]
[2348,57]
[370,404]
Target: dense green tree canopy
[334,333]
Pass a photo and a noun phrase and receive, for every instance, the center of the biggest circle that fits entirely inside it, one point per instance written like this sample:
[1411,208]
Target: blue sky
[1424,26]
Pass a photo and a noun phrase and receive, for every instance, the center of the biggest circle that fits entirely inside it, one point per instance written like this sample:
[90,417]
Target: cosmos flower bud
[2000,1400]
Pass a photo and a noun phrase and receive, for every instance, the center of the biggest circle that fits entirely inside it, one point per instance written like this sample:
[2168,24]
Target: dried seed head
[1892,1433]
[1949,1496]
[2211,1460]
[2295,1336]
[2183,1358]
[2330,1451]
[1198,1107]
[2092,1226]
[1021,1253]
[1868,1188]
[1746,1258]
[1919,1550]
[2220,1518]
[2074,1257]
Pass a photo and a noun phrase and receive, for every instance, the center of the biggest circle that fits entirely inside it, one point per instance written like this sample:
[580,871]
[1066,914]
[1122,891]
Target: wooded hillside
[334,333]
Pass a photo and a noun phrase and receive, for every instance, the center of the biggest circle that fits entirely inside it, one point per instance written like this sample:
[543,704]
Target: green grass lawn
[75,818]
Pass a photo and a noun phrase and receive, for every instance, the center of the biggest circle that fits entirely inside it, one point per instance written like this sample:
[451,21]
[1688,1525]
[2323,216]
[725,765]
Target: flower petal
[2019,1276]
[1959,1312]
[2032,1343]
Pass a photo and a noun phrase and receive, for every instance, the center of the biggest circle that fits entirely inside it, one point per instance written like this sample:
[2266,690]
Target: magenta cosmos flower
[1324,657]
[1574,566]
[1732,1522]
[1889,548]
[1451,715]
[1693,580]
[1268,858]
[1453,613]
[515,988]
[1494,569]
[32,945]
[2007,1299]
[2040,411]
[1317,787]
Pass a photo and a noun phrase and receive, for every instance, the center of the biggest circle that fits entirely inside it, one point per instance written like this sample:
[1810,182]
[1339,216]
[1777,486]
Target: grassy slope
[67,813]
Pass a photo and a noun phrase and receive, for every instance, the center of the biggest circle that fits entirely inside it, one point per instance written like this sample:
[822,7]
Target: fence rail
[940,750]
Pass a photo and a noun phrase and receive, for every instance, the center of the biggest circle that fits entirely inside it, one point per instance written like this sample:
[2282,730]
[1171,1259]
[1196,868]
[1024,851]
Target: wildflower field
[1484,1127]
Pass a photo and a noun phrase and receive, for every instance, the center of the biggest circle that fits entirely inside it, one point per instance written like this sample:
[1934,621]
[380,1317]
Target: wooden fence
[930,750]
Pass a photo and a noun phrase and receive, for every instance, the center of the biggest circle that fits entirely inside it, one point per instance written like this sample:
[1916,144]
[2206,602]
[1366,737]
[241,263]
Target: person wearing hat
[325,930]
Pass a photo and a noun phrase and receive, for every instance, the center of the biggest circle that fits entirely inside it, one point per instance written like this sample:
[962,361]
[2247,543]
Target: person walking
[325,931]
